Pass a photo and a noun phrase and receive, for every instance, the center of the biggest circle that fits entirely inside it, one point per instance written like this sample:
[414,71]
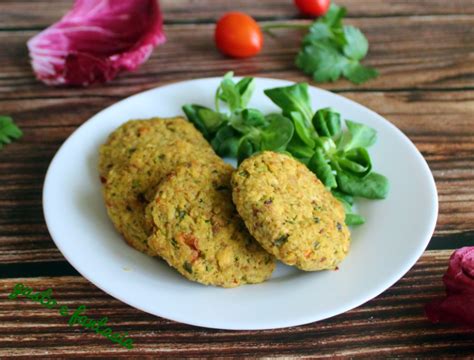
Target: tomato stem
[269,27]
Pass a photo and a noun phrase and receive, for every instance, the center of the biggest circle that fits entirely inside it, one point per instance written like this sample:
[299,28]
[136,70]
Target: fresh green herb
[338,157]
[180,214]
[8,131]
[354,219]
[281,240]
[319,164]
[294,98]
[372,186]
[238,131]
[331,49]
[188,267]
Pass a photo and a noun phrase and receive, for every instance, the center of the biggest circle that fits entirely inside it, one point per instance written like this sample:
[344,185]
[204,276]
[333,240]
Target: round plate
[395,235]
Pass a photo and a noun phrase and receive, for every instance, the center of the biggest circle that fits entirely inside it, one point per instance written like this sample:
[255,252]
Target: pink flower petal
[96,40]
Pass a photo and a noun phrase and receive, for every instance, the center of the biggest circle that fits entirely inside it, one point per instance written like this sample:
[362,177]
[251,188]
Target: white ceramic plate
[397,231]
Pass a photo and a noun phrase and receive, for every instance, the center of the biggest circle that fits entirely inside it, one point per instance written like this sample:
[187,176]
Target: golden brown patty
[198,231]
[129,187]
[290,212]
[127,138]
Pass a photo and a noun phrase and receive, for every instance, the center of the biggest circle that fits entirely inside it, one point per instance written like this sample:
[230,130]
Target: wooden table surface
[425,53]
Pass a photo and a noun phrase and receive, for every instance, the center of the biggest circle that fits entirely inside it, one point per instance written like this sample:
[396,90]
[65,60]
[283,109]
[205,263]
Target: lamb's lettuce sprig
[338,157]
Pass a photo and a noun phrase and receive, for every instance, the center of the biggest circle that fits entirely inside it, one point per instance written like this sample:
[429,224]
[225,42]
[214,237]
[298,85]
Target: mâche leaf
[338,157]
[247,148]
[353,219]
[327,122]
[359,135]
[373,186]
[277,134]
[294,98]
[226,141]
[320,166]
[245,86]
[355,161]
[302,130]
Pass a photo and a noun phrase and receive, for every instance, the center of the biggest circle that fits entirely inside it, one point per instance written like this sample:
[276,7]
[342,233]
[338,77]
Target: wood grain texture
[438,53]
[24,14]
[391,325]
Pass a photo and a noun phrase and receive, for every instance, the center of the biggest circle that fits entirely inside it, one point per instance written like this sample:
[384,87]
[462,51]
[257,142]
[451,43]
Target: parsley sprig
[8,131]
[331,49]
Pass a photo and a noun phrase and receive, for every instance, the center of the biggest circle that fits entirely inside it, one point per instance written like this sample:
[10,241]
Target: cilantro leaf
[357,45]
[331,50]
[8,131]
[334,16]
[358,73]
[322,61]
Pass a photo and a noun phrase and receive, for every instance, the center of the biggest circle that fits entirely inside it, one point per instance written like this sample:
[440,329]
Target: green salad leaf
[294,98]
[338,157]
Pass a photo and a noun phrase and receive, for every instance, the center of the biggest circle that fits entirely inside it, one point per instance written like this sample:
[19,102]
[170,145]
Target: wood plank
[400,57]
[439,123]
[390,325]
[18,14]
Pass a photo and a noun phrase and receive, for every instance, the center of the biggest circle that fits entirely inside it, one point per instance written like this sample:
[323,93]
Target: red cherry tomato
[238,35]
[313,7]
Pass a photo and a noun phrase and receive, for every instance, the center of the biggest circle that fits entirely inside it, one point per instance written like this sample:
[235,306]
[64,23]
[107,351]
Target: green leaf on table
[328,27]
[358,73]
[331,50]
[356,46]
[8,131]
[322,61]
[334,16]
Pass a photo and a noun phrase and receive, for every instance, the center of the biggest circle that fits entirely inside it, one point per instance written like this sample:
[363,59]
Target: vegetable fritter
[198,231]
[130,187]
[133,134]
[290,212]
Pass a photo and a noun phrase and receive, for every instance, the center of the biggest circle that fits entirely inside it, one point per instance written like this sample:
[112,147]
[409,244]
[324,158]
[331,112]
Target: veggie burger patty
[198,231]
[290,212]
[125,140]
[134,160]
